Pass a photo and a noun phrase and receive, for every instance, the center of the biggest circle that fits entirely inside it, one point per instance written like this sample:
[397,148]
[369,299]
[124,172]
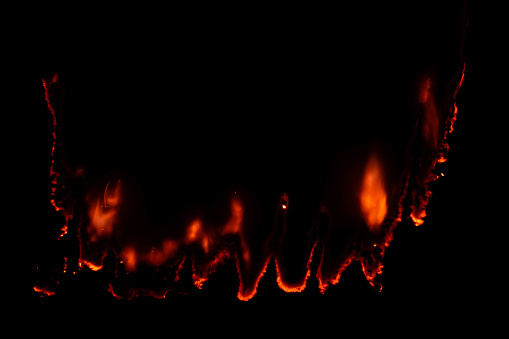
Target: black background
[110,73]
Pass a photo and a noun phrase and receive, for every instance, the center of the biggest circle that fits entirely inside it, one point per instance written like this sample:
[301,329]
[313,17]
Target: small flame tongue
[373,197]
[103,214]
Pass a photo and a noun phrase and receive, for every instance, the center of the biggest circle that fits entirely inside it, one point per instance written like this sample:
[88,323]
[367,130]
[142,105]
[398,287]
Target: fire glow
[103,210]
[113,232]
[373,196]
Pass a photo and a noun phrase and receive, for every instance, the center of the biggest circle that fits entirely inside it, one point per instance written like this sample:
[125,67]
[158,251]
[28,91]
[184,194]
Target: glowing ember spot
[64,230]
[284,201]
[373,197]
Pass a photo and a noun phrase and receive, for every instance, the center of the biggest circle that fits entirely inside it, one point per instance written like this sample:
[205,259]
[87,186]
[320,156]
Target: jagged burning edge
[232,250]
[370,261]
[427,174]
[55,176]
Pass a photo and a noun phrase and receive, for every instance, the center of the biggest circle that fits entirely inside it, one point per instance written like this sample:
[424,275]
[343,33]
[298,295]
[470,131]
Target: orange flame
[129,259]
[418,216]
[103,215]
[373,197]
[430,119]
[234,225]
[195,233]
[112,199]
[235,222]
[169,248]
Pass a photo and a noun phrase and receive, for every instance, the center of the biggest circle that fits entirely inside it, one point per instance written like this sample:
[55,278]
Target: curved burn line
[455,106]
[422,194]
[245,293]
[105,203]
[54,175]
[324,283]
[45,290]
[300,286]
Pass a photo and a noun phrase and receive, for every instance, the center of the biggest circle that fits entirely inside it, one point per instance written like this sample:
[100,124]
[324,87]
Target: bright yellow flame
[373,197]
